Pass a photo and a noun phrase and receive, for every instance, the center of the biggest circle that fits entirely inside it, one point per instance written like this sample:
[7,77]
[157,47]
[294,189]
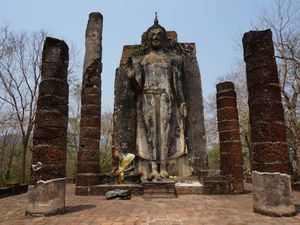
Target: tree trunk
[23,163]
[7,175]
[298,155]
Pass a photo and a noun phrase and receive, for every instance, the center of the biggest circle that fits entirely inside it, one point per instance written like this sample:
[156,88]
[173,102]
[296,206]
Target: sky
[214,25]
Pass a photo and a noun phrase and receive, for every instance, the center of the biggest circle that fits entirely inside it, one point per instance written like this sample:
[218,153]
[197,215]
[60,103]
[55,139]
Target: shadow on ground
[78,208]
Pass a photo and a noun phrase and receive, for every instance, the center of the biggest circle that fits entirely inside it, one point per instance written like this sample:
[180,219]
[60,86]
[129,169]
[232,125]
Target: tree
[9,144]
[210,109]
[283,18]
[238,77]
[20,72]
[19,77]
[106,140]
[74,113]
[214,157]
[73,128]
[211,128]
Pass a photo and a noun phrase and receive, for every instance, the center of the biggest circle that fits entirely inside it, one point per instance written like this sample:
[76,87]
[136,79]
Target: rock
[118,194]
[272,194]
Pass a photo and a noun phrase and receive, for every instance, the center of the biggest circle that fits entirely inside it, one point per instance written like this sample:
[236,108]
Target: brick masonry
[231,159]
[88,169]
[50,132]
[268,138]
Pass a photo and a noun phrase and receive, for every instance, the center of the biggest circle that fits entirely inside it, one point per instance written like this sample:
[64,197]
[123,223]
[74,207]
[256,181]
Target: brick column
[268,137]
[231,159]
[88,169]
[47,192]
[50,132]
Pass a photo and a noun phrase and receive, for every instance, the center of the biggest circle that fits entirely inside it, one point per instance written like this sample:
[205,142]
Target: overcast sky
[214,25]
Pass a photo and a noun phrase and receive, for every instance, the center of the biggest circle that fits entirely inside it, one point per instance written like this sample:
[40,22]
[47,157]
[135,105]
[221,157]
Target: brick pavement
[188,210]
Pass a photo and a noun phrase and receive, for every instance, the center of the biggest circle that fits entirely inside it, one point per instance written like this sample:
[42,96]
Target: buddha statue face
[156,38]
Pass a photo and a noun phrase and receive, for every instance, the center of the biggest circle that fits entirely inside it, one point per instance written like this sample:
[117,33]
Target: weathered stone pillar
[88,169]
[272,194]
[231,159]
[268,138]
[196,134]
[47,190]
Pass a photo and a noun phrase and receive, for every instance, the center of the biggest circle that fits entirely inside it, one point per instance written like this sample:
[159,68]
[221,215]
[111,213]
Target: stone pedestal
[272,194]
[188,187]
[217,185]
[202,174]
[159,189]
[46,198]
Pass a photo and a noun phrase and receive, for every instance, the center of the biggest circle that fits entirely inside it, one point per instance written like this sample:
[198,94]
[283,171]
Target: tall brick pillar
[88,169]
[231,159]
[47,190]
[268,137]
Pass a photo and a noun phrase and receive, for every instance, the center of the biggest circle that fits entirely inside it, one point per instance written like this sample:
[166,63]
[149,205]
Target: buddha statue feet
[154,174]
[164,174]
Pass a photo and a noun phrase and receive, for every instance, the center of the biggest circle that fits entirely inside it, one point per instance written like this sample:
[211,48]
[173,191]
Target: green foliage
[141,50]
[14,173]
[214,157]
[71,164]
[2,181]
[105,161]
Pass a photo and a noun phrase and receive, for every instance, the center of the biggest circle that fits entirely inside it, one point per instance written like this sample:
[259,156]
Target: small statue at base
[121,163]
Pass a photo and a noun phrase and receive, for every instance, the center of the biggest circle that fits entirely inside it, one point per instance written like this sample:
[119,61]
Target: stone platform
[189,188]
[162,189]
[13,189]
[217,185]
[159,189]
